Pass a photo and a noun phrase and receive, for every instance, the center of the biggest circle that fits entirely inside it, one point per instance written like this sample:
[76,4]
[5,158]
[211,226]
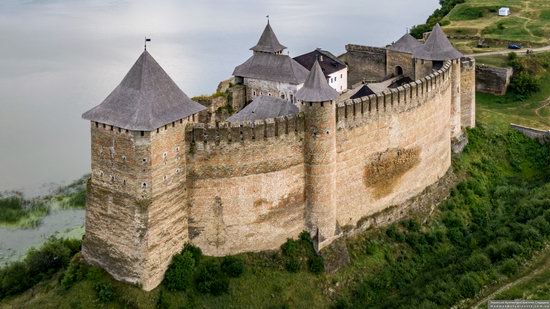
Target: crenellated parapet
[352,112]
[200,136]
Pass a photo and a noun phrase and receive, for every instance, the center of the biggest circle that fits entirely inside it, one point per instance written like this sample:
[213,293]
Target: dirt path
[517,51]
[546,103]
[541,264]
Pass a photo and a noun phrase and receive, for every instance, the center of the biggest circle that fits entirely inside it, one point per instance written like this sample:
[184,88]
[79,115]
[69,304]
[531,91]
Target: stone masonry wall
[392,146]
[245,185]
[403,60]
[364,62]
[468,93]
[493,80]
[246,182]
[116,219]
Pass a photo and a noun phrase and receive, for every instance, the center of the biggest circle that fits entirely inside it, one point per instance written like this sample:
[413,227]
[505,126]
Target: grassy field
[529,23]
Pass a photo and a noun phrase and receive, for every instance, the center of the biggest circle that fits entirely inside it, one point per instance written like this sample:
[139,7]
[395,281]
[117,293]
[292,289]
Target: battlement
[363,48]
[404,98]
[200,134]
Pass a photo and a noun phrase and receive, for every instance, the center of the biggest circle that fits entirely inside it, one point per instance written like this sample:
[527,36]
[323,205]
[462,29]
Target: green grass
[500,61]
[476,19]
[532,112]
[16,212]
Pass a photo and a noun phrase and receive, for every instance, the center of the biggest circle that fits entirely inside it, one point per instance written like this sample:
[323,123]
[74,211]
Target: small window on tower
[144,185]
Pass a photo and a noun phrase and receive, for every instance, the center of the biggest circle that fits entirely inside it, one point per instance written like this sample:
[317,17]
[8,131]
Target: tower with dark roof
[268,72]
[134,222]
[319,106]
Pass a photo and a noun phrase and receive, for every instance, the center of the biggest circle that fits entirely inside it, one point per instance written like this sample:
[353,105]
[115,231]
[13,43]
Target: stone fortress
[300,153]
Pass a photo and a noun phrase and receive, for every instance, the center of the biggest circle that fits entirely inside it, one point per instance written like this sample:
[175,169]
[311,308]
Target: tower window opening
[124,158]
[173,124]
[111,128]
[142,133]
[104,126]
[119,130]
[158,131]
[97,124]
[112,178]
[144,185]
[144,160]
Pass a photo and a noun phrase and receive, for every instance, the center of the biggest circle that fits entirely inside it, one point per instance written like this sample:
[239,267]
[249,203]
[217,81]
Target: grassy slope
[529,22]
[501,111]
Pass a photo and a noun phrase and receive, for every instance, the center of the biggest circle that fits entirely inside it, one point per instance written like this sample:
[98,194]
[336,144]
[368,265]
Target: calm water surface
[14,243]
[59,58]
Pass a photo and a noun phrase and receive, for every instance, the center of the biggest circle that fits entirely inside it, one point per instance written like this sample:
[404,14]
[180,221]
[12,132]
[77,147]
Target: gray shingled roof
[277,68]
[264,107]
[330,63]
[406,44]
[268,42]
[437,47]
[146,99]
[316,88]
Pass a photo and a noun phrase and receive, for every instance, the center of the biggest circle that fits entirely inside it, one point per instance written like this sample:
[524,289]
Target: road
[507,51]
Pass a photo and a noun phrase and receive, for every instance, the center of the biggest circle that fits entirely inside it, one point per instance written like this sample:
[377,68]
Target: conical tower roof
[146,99]
[268,42]
[406,44]
[437,47]
[316,88]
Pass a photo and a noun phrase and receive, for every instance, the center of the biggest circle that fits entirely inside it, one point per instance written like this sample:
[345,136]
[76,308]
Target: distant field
[529,23]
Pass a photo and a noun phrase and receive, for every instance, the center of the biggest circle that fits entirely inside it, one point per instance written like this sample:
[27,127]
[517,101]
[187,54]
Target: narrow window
[142,133]
[144,185]
[123,158]
[119,130]
[158,130]
[173,124]
[97,124]
[111,128]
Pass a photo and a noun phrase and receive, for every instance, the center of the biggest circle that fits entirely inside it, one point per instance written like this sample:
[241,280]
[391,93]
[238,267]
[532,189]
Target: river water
[14,243]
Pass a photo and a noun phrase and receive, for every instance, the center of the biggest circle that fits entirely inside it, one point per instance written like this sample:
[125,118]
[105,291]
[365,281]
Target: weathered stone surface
[231,189]
[492,79]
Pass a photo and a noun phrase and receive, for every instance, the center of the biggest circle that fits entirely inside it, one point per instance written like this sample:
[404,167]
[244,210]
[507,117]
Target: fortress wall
[167,223]
[245,185]
[392,146]
[115,220]
[364,62]
[468,93]
[493,80]
[403,60]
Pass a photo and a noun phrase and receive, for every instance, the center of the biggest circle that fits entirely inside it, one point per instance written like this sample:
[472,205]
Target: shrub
[196,252]
[469,285]
[292,265]
[477,262]
[211,279]
[290,247]
[105,292]
[524,84]
[316,264]
[54,255]
[180,273]
[509,267]
[75,272]
[232,266]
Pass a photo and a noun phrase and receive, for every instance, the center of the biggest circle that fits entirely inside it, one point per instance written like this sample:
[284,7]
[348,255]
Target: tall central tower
[319,106]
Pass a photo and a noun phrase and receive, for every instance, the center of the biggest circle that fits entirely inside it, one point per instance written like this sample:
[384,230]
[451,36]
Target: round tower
[456,112]
[319,106]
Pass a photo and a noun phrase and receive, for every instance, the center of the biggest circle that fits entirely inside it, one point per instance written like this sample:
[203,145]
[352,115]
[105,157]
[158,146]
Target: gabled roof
[329,63]
[277,68]
[362,92]
[146,99]
[264,107]
[316,88]
[406,44]
[268,42]
[437,47]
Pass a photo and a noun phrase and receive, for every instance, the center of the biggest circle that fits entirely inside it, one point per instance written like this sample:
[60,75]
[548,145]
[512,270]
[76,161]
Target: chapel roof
[268,42]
